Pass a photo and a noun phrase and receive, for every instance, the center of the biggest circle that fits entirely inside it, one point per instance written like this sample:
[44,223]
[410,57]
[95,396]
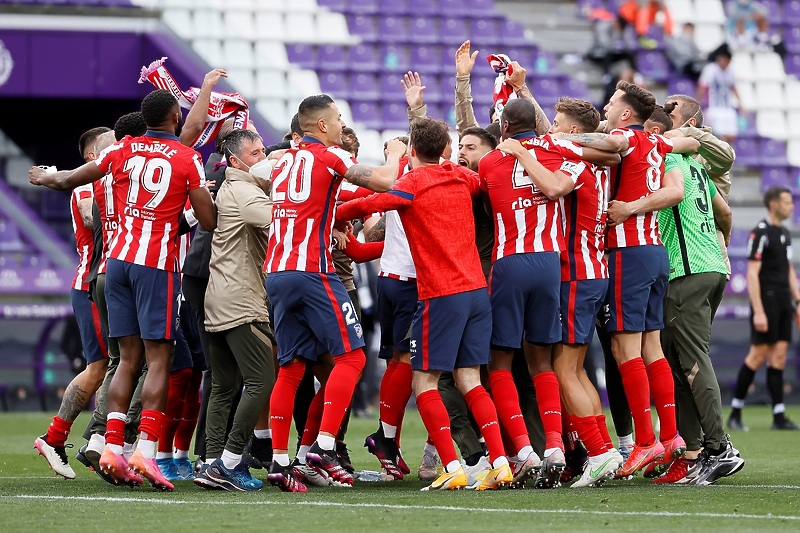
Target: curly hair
[157,106]
[132,124]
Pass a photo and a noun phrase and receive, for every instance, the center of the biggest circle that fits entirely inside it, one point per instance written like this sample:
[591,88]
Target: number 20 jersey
[305,187]
[152,176]
[638,175]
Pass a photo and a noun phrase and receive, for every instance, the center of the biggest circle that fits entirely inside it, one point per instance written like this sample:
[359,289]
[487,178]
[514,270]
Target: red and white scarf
[503,92]
[220,107]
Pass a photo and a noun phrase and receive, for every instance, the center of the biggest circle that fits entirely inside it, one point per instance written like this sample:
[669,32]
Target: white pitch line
[665,514]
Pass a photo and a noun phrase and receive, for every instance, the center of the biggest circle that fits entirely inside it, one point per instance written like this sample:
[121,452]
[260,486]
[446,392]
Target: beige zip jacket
[236,293]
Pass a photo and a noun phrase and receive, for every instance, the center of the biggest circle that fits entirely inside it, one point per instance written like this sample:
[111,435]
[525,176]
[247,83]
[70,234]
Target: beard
[179,127]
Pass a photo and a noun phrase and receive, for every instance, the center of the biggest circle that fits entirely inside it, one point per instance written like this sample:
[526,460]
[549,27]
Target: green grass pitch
[764,496]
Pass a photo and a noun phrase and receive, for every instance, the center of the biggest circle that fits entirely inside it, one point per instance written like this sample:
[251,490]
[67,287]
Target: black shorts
[780,312]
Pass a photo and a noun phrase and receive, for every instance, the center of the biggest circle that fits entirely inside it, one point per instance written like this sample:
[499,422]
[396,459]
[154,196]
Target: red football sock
[548,396]
[314,418]
[485,414]
[586,426]
[281,402]
[115,431]
[58,431]
[437,422]
[395,393]
[662,387]
[151,425]
[339,389]
[191,409]
[178,384]
[637,390]
[506,401]
[603,429]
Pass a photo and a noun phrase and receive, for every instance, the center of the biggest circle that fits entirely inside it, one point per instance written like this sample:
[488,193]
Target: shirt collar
[524,135]
[161,135]
[635,127]
[308,139]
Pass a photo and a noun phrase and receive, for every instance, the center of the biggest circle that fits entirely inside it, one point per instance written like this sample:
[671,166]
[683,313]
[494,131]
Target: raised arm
[196,118]
[552,184]
[65,180]
[670,193]
[378,179]
[412,85]
[517,82]
[465,114]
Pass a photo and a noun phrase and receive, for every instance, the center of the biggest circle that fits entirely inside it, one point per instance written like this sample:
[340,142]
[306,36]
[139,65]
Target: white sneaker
[428,469]
[476,474]
[310,476]
[94,449]
[599,469]
[522,470]
[56,457]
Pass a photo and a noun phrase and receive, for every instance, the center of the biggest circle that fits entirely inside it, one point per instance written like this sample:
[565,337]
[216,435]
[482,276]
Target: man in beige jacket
[240,339]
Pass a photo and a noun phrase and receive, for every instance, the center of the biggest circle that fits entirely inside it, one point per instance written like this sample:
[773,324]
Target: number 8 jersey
[305,187]
[638,176]
[152,176]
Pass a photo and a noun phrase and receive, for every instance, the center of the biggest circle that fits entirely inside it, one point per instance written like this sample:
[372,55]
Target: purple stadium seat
[423,7]
[332,57]
[392,29]
[334,83]
[792,39]
[394,116]
[365,26]
[364,87]
[451,8]
[363,7]
[738,245]
[481,7]
[485,32]
[334,5]
[793,64]
[777,177]
[391,90]
[393,7]
[738,283]
[774,11]
[546,89]
[482,87]
[423,30]
[773,153]
[792,12]
[677,85]
[426,59]
[434,92]
[396,58]
[653,64]
[576,89]
[453,31]
[10,238]
[364,58]
[747,151]
[303,55]
[513,33]
[368,114]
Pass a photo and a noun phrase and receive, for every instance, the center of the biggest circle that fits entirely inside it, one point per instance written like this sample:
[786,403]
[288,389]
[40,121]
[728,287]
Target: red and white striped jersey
[104,197]
[525,219]
[638,176]
[152,176]
[84,237]
[583,216]
[305,187]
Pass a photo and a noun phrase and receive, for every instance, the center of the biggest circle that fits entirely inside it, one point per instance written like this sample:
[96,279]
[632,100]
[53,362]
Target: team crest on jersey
[359,331]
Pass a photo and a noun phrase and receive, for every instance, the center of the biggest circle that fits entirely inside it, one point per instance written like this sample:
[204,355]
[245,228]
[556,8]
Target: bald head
[104,141]
[518,115]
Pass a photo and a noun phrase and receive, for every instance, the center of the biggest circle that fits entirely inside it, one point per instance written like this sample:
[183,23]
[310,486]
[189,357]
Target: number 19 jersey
[152,176]
[638,176]
[305,187]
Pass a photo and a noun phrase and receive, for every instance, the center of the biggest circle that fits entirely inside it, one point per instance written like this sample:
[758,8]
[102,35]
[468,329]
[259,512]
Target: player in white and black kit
[774,297]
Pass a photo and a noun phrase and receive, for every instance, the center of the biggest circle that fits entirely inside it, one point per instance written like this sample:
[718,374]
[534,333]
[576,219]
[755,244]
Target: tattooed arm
[601,141]
[517,82]
[377,232]
[379,179]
